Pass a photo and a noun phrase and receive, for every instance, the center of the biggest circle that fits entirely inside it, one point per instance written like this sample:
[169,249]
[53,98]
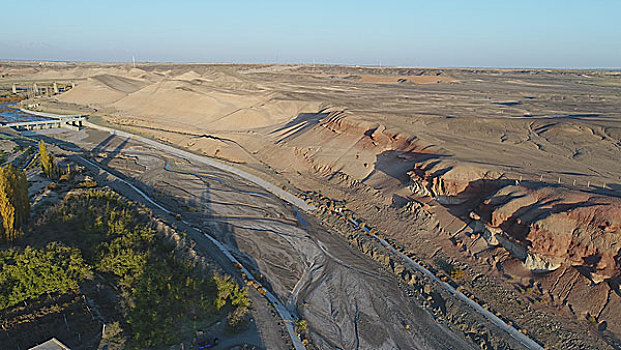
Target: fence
[577,182]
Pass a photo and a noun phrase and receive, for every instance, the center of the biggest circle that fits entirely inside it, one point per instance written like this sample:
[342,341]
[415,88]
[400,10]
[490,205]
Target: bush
[64,178]
[229,290]
[302,326]
[88,183]
[456,274]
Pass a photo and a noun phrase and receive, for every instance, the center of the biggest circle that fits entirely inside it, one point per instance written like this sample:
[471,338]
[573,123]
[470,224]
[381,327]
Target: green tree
[48,163]
[14,202]
[29,273]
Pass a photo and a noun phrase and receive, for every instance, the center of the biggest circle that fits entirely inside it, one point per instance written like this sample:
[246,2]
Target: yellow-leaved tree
[14,202]
[48,164]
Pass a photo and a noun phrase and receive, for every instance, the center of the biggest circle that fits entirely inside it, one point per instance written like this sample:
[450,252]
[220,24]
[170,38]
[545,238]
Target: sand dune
[102,89]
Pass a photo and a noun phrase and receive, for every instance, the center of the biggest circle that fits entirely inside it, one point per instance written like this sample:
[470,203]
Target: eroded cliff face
[569,239]
[557,224]
[560,227]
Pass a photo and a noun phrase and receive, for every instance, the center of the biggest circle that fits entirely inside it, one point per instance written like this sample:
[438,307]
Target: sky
[432,33]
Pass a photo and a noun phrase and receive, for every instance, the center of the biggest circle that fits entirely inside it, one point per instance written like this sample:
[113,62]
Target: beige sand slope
[103,90]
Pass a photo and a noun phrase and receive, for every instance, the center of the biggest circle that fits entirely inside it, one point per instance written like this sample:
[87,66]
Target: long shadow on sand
[299,125]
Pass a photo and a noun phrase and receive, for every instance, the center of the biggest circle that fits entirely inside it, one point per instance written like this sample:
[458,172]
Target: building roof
[52,344]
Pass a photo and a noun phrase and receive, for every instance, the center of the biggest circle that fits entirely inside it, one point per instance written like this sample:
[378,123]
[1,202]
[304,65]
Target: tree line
[104,234]
[14,200]
[156,287]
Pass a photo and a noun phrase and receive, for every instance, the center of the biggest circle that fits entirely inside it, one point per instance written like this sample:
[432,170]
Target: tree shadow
[74,326]
[299,125]
[102,145]
[117,150]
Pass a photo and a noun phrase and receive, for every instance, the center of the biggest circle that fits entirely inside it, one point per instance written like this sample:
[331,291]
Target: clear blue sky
[488,33]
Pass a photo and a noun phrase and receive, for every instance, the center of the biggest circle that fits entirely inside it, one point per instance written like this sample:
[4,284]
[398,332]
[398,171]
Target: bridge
[30,120]
[35,88]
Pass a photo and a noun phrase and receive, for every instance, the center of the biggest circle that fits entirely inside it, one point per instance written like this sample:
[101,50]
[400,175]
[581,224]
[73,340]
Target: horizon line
[312,64]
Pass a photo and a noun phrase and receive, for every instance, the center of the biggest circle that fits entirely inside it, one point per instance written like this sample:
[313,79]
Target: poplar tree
[7,209]
[48,164]
[14,202]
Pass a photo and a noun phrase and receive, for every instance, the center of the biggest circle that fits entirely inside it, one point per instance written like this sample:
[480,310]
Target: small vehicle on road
[207,343]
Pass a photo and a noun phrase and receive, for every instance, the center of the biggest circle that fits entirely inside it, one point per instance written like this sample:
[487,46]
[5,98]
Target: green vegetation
[97,232]
[228,290]
[29,273]
[302,326]
[48,163]
[156,287]
[14,202]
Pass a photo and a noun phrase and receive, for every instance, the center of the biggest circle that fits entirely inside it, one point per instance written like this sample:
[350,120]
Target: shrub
[64,178]
[456,273]
[229,290]
[236,317]
[302,326]
[88,183]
